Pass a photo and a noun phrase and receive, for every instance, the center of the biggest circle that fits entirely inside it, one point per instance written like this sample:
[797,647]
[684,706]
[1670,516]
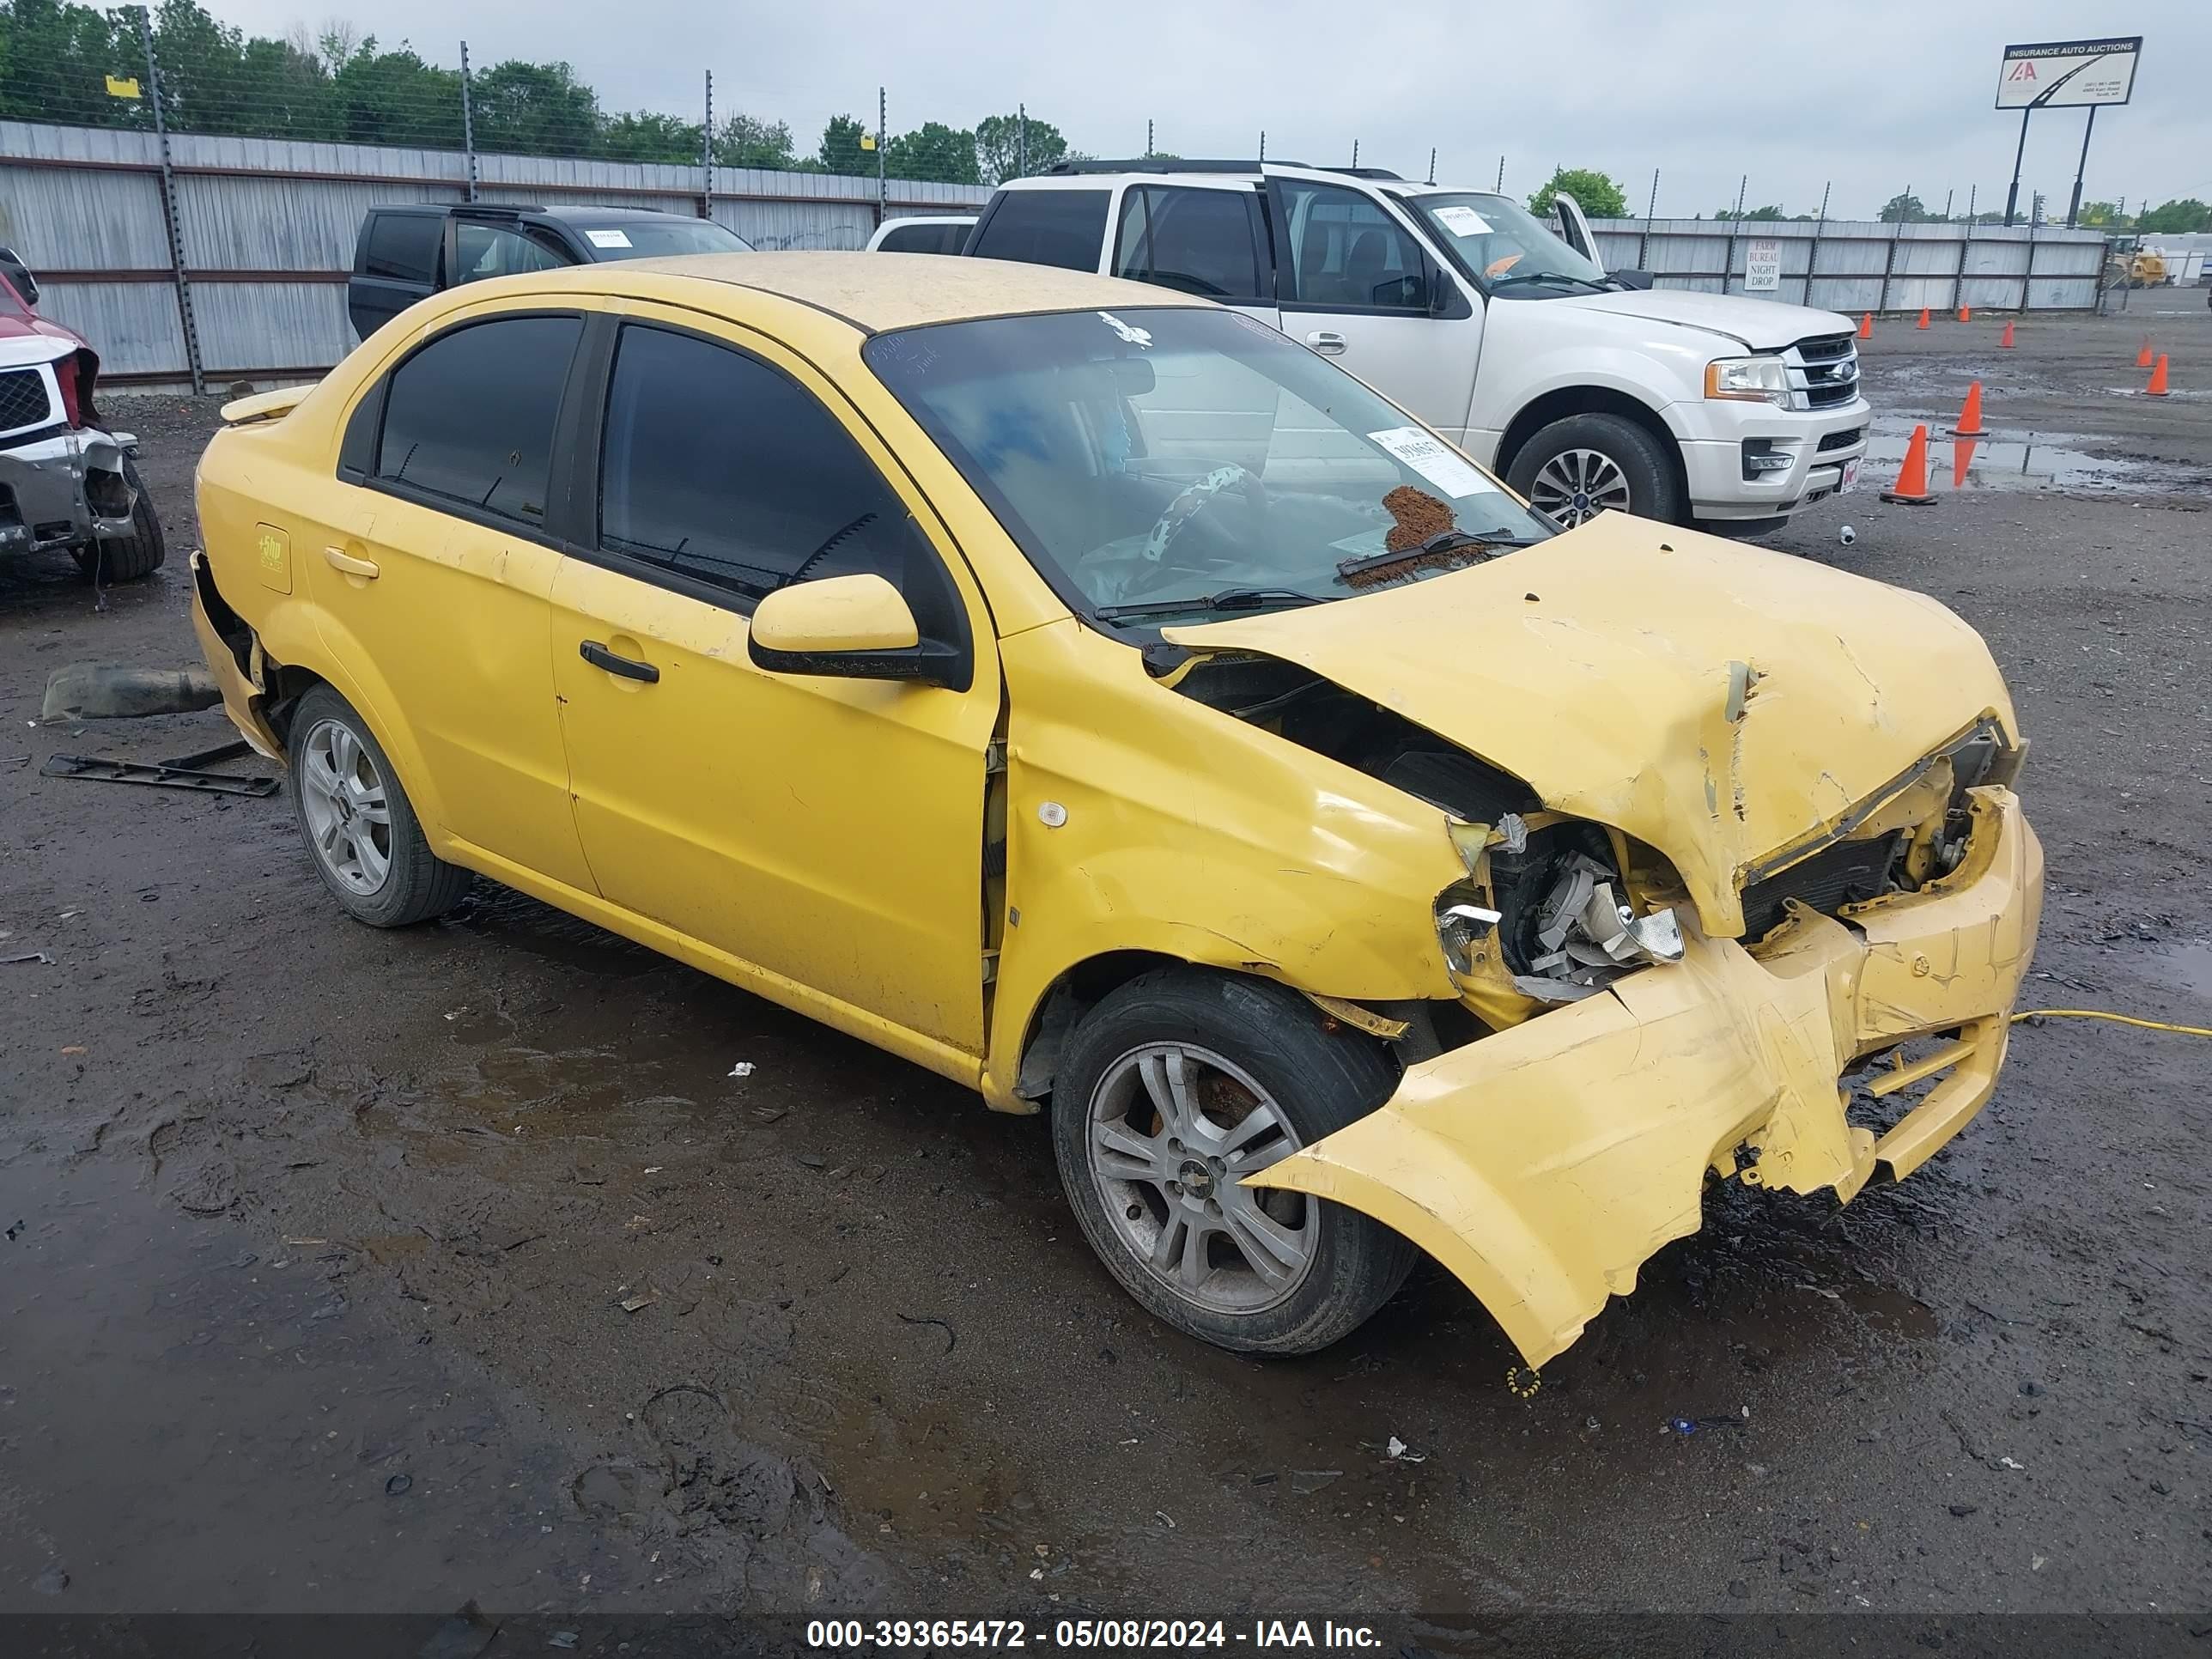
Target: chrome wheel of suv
[1576,485]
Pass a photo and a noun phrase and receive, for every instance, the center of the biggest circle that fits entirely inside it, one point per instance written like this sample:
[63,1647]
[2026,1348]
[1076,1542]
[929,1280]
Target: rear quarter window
[403,246]
[1065,227]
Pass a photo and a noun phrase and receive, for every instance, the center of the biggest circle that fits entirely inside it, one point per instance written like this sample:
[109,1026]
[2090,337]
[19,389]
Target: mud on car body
[1113,706]
[65,481]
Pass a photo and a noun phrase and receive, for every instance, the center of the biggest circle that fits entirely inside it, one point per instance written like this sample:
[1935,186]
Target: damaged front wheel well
[1062,1007]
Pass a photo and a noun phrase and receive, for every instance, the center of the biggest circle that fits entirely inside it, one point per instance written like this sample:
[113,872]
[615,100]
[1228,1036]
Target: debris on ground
[464,1636]
[642,1299]
[99,769]
[27,956]
[743,1068]
[951,1336]
[114,690]
[1305,1481]
[397,1483]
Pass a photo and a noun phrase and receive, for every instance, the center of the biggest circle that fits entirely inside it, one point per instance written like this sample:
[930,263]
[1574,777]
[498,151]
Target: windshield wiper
[1381,567]
[1229,598]
[1548,277]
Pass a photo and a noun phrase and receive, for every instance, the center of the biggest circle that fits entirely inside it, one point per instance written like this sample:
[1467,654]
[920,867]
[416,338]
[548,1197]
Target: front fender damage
[1544,1164]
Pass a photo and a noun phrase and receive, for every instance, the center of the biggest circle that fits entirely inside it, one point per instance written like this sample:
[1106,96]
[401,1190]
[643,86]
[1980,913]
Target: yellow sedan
[1098,698]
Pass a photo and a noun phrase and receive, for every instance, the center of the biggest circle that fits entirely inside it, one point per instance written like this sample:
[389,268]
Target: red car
[66,481]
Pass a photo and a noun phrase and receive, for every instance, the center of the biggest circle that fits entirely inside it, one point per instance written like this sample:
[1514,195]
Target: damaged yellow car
[1102,700]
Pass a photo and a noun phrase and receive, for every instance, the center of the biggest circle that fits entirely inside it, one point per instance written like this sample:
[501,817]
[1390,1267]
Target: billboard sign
[2069,74]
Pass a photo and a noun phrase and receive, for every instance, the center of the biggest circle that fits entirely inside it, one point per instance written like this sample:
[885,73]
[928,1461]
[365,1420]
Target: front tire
[360,829]
[1173,1087]
[1575,469]
[133,557]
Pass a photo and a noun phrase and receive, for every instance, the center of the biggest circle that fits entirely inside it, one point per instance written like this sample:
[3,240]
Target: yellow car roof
[878,291]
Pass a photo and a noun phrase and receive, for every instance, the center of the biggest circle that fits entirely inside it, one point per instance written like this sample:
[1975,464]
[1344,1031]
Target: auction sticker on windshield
[607,238]
[1433,460]
[1462,221]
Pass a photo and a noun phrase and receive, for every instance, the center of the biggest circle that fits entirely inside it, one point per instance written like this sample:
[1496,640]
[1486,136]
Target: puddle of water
[2012,458]
[2189,967]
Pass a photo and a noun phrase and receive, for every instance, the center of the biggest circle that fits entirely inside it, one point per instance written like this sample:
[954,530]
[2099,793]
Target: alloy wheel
[342,797]
[1172,1129]
[1576,485]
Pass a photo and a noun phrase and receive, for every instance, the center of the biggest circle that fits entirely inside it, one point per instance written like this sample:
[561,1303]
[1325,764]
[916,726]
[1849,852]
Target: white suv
[1586,392]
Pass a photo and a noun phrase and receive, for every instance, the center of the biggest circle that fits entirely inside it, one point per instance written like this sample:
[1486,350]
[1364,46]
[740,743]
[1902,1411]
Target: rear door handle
[628,667]
[1326,342]
[338,559]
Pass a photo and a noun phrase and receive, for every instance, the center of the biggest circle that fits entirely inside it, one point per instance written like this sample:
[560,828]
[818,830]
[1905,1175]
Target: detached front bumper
[63,491]
[1544,1164]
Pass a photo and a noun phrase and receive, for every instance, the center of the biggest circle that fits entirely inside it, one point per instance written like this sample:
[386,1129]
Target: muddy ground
[322,1244]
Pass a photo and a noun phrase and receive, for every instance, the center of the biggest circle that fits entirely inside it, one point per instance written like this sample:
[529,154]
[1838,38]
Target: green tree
[647,135]
[2184,214]
[840,150]
[1763,214]
[746,141]
[534,109]
[1599,196]
[1001,147]
[1905,208]
[395,98]
[934,151]
[2104,215]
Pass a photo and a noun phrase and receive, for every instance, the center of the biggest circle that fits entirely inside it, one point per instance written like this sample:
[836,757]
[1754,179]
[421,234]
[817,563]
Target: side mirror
[848,628]
[19,276]
[1638,279]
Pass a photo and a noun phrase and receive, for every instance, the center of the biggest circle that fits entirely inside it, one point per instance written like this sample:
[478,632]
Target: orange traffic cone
[2157,387]
[1962,457]
[1911,488]
[1866,325]
[1970,418]
[1924,318]
[2006,341]
[1966,313]
[2143,357]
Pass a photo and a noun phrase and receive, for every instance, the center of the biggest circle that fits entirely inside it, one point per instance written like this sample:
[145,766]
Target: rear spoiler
[264,405]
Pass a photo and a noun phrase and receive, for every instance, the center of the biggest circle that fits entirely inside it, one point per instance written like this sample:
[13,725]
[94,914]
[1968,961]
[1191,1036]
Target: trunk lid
[1600,668]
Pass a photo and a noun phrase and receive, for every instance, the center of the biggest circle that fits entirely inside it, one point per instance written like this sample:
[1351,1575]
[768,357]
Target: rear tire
[1252,1072]
[360,829]
[1575,469]
[133,557]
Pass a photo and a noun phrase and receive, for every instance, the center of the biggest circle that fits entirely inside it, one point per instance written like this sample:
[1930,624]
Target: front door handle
[628,667]
[338,559]
[1327,341]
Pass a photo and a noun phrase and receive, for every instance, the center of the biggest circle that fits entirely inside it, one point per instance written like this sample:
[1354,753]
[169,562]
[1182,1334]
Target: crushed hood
[1761,324]
[1597,667]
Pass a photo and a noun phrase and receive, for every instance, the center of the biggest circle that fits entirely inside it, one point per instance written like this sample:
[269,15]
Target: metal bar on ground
[97,768]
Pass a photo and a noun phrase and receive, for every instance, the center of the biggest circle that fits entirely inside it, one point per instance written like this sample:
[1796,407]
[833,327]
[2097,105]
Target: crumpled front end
[65,491]
[1545,1163]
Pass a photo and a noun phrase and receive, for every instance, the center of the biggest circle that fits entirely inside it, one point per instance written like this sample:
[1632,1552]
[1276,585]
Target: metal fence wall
[266,228]
[1857,266]
[265,231]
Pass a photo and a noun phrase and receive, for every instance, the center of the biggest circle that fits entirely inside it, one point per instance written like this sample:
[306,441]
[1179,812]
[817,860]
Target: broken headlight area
[1550,910]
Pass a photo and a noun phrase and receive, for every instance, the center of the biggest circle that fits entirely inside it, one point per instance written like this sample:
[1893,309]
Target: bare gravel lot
[322,1244]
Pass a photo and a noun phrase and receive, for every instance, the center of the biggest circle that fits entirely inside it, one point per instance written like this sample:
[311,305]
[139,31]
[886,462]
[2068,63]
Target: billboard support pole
[2012,196]
[2074,208]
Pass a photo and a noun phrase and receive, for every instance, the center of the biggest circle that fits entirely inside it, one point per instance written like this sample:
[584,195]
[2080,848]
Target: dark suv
[406,252]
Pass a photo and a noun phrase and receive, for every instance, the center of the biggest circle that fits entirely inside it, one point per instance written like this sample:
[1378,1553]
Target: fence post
[1813,253]
[175,225]
[883,115]
[1727,264]
[1650,209]
[1889,264]
[468,126]
[706,155]
[1021,141]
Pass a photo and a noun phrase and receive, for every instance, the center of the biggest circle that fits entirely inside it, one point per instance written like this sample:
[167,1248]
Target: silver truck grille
[1824,372]
[23,400]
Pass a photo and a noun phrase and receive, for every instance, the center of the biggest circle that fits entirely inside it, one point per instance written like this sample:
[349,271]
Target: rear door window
[468,419]
[718,469]
[924,239]
[1196,241]
[1347,253]
[1064,227]
[482,251]
[405,246]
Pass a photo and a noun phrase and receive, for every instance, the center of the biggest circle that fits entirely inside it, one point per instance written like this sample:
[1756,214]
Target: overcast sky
[1874,96]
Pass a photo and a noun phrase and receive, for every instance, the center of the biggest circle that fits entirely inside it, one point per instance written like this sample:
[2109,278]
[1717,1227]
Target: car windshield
[1164,464]
[1497,242]
[653,238]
